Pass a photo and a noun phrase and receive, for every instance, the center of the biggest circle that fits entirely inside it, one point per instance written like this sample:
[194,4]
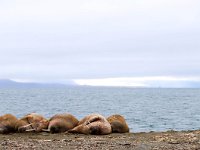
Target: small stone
[47,140]
[173,142]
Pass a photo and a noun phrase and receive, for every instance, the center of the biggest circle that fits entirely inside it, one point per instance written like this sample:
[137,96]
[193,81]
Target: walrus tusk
[26,125]
[45,130]
[30,130]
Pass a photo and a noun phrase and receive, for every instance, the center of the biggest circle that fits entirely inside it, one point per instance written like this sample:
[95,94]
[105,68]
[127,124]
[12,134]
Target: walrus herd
[92,124]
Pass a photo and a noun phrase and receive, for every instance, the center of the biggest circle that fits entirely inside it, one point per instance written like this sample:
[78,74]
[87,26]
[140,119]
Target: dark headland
[170,140]
[7,83]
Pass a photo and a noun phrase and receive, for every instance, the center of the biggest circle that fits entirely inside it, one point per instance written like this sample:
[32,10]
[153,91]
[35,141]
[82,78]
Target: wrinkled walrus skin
[32,122]
[118,124]
[62,123]
[93,124]
[7,123]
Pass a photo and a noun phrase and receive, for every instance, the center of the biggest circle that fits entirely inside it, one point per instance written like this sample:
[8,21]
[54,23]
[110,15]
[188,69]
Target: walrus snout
[55,129]
[95,130]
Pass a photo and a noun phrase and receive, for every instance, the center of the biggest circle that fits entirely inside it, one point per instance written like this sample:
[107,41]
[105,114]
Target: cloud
[59,40]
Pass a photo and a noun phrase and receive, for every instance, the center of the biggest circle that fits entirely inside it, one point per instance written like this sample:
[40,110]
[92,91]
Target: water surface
[144,109]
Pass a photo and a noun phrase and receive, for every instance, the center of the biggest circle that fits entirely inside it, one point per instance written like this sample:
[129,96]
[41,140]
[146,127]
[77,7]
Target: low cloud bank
[163,82]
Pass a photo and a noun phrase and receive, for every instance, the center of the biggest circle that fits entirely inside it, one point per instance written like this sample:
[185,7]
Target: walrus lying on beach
[92,124]
[118,124]
[61,123]
[31,122]
[7,123]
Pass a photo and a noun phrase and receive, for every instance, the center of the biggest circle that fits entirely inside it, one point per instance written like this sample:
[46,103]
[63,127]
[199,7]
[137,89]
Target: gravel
[170,140]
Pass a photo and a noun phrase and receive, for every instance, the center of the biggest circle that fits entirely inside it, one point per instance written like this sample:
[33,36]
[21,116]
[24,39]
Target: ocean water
[144,109]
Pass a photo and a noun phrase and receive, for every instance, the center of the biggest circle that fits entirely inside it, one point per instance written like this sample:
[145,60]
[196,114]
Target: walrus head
[43,124]
[6,130]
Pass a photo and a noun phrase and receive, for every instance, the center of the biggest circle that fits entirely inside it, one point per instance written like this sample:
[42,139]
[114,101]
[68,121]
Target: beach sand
[170,140]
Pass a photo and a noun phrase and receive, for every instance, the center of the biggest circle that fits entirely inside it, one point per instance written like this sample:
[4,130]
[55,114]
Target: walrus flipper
[95,118]
[77,129]
[72,131]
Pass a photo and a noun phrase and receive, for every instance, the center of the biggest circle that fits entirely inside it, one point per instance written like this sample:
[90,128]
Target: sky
[101,42]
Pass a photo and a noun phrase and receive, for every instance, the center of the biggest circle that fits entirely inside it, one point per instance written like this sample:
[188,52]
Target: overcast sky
[57,40]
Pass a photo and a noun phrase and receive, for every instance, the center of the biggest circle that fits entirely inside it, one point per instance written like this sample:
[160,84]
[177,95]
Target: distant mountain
[6,82]
[10,83]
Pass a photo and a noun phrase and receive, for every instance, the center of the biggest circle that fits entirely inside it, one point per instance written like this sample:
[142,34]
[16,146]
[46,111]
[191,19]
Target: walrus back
[7,123]
[62,122]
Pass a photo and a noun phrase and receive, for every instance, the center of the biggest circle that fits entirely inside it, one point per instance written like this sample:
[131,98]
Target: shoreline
[169,140]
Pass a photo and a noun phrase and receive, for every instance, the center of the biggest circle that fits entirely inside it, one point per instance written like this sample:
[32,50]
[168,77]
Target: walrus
[118,124]
[7,123]
[31,122]
[93,124]
[61,123]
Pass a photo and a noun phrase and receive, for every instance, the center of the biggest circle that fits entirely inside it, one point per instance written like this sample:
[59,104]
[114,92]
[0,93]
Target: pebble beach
[169,140]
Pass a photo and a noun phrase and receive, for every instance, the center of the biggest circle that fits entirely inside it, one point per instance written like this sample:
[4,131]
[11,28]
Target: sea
[145,109]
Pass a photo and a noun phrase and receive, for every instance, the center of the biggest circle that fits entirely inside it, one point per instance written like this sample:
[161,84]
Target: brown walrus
[61,123]
[93,124]
[32,122]
[118,124]
[7,123]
